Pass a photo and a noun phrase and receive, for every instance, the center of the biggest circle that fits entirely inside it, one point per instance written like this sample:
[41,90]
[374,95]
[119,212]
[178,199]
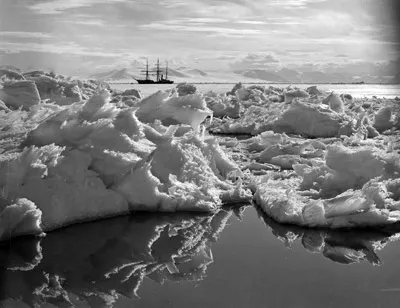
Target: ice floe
[349,189]
[75,151]
[91,160]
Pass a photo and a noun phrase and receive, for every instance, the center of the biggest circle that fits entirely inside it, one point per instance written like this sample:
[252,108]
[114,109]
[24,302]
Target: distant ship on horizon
[159,75]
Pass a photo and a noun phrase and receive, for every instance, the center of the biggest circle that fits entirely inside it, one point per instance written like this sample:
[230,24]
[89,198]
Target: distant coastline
[272,83]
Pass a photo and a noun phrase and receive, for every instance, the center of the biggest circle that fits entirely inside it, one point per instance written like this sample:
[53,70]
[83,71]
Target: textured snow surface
[320,161]
[346,188]
[93,159]
[316,159]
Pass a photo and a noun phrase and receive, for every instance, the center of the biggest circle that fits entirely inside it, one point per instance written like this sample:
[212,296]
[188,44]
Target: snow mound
[185,89]
[253,121]
[20,94]
[293,94]
[224,106]
[56,90]
[335,102]
[19,218]
[132,92]
[352,189]
[60,184]
[189,109]
[311,121]
[10,74]
[92,160]
[181,174]
[383,119]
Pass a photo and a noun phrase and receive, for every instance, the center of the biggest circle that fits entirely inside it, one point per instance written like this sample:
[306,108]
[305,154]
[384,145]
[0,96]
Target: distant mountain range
[126,74]
[117,74]
[285,75]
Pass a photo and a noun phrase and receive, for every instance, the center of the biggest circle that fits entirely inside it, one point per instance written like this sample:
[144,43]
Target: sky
[80,36]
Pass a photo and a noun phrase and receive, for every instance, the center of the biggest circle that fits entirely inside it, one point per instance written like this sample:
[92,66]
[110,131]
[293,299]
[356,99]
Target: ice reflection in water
[101,260]
[98,262]
[341,246]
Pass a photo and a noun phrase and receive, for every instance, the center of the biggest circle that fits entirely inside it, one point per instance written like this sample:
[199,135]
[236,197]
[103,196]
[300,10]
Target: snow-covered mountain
[113,75]
[175,73]
[284,75]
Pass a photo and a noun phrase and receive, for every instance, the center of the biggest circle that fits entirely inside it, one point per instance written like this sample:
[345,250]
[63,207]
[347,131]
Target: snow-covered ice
[91,159]
[78,151]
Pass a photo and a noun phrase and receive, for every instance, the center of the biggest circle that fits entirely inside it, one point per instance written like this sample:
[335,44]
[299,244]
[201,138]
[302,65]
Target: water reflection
[91,265]
[96,262]
[340,246]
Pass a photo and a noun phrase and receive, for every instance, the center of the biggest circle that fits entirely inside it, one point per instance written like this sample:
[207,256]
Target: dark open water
[182,260]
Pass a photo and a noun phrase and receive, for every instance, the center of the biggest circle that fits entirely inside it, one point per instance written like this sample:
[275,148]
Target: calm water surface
[364,90]
[234,258]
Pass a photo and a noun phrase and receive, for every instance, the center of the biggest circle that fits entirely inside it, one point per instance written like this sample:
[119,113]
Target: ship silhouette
[160,79]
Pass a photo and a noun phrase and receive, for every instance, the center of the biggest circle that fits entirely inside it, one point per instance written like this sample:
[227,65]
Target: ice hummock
[91,160]
[20,218]
[86,143]
[351,189]
[189,109]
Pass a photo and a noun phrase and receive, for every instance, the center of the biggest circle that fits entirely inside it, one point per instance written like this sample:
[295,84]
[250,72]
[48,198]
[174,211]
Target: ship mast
[166,71]
[147,68]
[158,70]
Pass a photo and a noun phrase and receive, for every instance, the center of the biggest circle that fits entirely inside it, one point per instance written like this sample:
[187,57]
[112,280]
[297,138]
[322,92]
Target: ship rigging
[160,79]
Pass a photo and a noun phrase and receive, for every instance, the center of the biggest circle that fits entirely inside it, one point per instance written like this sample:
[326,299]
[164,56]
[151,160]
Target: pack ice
[84,151]
[339,156]
[93,159]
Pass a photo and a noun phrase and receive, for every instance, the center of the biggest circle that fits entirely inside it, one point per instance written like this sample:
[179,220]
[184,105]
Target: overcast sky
[82,35]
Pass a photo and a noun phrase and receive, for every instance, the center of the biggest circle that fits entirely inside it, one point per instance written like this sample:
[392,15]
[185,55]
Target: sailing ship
[159,75]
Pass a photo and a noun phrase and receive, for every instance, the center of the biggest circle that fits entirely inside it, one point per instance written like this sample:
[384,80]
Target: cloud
[198,28]
[20,34]
[251,22]
[255,61]
[293,4]
[66,48]
[235,33]
[58,6]
[172,3]
[86,22]
[200,20]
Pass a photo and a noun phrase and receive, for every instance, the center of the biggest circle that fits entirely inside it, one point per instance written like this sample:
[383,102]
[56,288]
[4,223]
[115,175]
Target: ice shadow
[344,246]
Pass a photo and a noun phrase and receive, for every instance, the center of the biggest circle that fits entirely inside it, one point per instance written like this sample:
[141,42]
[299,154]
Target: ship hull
[144,81]
[165,81]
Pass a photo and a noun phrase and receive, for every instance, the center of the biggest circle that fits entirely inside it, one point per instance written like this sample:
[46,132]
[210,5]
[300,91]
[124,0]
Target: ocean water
[362,90]
[241,259]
